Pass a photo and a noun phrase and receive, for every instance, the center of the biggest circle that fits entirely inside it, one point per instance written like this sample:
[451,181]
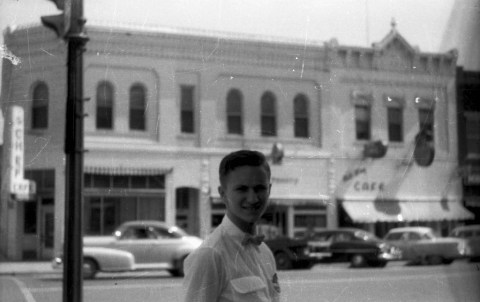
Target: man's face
[246,193]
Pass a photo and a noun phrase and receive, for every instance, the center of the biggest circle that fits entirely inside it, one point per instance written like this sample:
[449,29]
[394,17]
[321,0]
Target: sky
[351,22]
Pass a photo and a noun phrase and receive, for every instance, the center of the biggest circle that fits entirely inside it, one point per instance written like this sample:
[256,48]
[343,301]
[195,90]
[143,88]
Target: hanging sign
[18,185]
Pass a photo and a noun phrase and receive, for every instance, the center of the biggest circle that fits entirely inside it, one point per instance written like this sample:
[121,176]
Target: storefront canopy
[399,211]
[122,170]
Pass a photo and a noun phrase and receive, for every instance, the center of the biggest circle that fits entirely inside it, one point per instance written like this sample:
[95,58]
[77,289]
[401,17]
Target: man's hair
[239,159]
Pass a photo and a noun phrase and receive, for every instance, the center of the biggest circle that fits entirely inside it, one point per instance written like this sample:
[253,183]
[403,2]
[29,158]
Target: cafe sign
[18,185]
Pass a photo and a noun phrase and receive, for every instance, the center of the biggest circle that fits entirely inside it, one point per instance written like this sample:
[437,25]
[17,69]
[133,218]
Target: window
[472,132]
[137,107]
[268,115]
[104,106]
[395,124]
[234,112]
[40,106]
[426,120]
[113,199]
[187,113]
[362,122]
[300,111]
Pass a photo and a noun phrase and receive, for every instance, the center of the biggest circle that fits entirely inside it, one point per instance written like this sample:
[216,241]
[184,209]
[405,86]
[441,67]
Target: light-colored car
[471,233]
[137,245]
[420,245]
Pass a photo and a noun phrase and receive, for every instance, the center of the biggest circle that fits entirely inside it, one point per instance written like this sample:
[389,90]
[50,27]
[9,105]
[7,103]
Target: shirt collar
[231,229]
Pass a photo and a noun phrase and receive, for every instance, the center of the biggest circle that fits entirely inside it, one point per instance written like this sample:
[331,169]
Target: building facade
[468,95]
[165,106]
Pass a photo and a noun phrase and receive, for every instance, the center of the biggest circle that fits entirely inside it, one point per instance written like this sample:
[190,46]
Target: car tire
[447,261]
[434,259]
[90,268]
[357,260]
[178,271]
[379,263]
[283,261]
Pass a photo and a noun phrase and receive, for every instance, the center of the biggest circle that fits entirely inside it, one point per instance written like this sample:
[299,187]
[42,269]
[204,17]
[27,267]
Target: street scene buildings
[356,136]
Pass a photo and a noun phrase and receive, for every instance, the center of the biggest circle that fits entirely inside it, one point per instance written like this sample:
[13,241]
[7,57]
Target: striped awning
[397,211]
[121,170]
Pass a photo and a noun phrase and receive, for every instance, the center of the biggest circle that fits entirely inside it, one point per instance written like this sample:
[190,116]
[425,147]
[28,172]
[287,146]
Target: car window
[138,233]
[394,236]
[363,235]
[323,237]
[341,237]
[164,233]
[415,236]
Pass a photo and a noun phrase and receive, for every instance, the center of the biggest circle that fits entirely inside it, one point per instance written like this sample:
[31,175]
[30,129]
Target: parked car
[137,245]
[420,245]
[471,233]
[357,246]
[290,253]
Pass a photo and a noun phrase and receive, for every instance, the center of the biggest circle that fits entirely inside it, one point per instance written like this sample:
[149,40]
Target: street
[324,282]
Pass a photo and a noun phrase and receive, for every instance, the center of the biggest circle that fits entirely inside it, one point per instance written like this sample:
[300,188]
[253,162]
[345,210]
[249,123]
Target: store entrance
[187,210]
[47,222]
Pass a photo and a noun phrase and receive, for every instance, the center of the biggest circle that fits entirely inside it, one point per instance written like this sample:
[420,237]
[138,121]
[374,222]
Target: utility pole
[70,27]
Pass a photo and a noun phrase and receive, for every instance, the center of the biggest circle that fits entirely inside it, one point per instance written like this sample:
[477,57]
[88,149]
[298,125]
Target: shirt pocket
[250,288]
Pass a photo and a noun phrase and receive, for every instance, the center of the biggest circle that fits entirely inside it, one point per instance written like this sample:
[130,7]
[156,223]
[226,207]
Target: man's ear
[221,191]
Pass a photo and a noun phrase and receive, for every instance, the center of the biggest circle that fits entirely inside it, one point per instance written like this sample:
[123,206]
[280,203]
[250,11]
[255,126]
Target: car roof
[155,223]
[467,228]
[338,230]
[411,229]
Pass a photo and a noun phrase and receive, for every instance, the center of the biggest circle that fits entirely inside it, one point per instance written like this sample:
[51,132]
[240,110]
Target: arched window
[268,117]
[234,112]
[137,107]
[300,112]
[104,106]
[40,106]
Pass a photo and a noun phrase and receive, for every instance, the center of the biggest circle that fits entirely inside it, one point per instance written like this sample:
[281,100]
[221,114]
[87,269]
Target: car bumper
[57,263]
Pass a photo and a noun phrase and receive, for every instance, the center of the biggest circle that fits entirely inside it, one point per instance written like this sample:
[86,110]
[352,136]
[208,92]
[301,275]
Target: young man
[232,264]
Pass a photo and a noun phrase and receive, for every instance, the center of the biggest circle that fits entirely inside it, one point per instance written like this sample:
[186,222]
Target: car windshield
[366,236]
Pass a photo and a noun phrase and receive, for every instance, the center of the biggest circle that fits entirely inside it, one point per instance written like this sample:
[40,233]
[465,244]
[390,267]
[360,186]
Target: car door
[166,245]
[140,241]
[400,240]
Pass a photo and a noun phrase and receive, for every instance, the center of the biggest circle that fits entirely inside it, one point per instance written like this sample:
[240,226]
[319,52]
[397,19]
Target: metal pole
[73,255]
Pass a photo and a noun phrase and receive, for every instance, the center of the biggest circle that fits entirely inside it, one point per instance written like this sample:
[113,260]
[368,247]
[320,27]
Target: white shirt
[224,270]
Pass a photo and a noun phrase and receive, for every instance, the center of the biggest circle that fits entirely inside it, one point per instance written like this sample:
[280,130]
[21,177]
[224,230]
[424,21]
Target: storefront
[379,194]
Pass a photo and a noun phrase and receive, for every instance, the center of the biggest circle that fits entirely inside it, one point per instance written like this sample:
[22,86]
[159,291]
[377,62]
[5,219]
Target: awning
[314,201]
[398,211]
[120,170]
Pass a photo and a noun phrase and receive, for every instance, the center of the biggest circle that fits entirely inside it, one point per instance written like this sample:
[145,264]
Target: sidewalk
[26,267]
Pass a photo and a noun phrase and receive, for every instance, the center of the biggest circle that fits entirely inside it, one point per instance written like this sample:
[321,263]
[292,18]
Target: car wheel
[447,261]
[357,260]
[379,263]
[434,259]
[283,261]
[178,271]
[90,268]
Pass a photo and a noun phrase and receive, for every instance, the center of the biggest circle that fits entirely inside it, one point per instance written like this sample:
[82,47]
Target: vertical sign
[17,147]
[19,186]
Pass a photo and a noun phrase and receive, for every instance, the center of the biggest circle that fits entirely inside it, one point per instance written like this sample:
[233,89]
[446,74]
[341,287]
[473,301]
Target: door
[47,222]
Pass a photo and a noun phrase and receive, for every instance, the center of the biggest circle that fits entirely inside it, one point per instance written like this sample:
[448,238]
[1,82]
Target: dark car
[353,245]
[290,253]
